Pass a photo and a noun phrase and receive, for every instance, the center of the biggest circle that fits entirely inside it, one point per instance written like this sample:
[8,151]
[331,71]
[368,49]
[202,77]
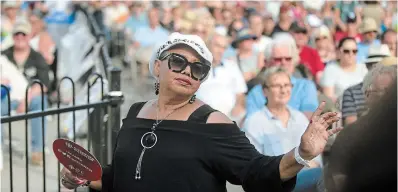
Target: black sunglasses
[346,51]
[177,63]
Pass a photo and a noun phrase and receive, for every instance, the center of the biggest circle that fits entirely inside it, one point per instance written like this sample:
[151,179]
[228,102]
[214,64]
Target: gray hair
[283,39]
[264,76]
[376,72]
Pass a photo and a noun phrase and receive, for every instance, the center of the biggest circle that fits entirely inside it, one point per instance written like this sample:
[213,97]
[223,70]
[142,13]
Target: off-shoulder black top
[190,156]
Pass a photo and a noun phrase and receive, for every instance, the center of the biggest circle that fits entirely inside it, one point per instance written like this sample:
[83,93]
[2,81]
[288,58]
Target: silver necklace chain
[150,135]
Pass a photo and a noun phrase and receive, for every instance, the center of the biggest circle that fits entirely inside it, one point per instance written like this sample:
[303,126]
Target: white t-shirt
[334,76]
[262,44]
[223,84]
[18,82]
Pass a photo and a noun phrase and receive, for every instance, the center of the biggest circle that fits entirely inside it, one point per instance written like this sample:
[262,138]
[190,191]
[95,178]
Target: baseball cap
[193,41]
[351,17]
[296,28]
[22,27]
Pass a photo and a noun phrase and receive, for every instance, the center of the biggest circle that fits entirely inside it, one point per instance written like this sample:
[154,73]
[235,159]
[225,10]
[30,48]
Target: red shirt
[311,59]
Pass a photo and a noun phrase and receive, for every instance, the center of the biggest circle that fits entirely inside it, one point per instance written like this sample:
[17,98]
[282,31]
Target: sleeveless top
[190,156]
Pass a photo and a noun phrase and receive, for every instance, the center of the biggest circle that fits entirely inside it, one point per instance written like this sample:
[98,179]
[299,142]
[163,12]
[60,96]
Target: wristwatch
[299,159]
[86,184]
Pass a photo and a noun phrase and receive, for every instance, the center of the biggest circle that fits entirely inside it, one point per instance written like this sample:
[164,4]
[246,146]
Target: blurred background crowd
[274,61]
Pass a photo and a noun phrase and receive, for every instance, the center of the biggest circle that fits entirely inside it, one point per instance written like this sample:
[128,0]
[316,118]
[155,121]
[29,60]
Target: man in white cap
[33,66]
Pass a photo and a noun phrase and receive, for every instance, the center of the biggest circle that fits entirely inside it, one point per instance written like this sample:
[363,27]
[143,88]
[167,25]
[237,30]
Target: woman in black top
[177,143]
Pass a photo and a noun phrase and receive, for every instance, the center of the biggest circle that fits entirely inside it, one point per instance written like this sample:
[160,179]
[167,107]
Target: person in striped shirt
[353,101]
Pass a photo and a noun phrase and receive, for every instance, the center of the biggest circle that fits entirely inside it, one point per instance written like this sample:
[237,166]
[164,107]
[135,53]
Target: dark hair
[365,153]
[383,36]
[342,41]
[231,27]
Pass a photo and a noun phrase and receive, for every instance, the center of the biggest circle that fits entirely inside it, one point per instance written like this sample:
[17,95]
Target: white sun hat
[192,41]
[377,53]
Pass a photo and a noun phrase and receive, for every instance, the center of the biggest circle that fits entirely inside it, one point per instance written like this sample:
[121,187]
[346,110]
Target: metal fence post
[114,110]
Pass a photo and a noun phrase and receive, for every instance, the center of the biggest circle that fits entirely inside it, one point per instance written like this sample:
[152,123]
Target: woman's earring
[193,98]
[157,88]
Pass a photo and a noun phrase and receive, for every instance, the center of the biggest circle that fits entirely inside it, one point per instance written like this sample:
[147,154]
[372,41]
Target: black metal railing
[100,139]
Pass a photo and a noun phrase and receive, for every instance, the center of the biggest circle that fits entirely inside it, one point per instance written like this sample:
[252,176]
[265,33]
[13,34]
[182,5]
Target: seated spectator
[309,57]
[257,27]
[389,37]
[285,20]
[269,24]
[225,88]
[374,10]
[33,66]
[283,52]
[146,37]
[277,128]
[9,19]
[377,81]
[324,44]
[340,75]
[41,40]
[249,61]
[369,31]
[137,17]
[353,103]
[351,29]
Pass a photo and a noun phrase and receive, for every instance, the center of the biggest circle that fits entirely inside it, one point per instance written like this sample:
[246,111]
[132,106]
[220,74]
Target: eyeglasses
[320,38]
[371,32]
[287,85]
[279,59]
[177,63]
[347,51]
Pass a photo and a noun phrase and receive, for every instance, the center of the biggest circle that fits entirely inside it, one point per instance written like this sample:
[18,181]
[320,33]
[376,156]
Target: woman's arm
[96,185]
[329,92]
[240,163]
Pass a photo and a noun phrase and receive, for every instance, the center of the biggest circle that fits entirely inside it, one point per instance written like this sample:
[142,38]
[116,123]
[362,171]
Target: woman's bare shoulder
[218,117]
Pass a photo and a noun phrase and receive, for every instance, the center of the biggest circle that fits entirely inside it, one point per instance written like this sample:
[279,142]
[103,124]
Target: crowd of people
[273,62]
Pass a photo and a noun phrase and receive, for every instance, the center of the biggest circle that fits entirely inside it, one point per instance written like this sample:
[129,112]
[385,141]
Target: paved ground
[133,91]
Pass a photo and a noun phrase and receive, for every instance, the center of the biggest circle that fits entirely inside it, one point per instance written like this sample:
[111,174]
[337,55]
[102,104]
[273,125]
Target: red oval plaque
[77,160]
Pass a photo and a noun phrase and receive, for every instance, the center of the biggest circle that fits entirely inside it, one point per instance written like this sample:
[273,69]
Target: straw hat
[368,25]
[389,61]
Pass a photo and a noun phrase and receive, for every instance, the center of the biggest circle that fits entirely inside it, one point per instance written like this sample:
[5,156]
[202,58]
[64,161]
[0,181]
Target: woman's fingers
[334,131]
[69,180]
[318,111]
[332,120]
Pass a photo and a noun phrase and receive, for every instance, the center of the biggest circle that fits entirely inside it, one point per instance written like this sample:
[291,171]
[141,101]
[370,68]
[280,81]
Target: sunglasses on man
[178,63]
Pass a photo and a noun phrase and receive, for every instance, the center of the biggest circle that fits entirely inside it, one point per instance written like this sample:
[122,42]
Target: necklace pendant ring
[149,140]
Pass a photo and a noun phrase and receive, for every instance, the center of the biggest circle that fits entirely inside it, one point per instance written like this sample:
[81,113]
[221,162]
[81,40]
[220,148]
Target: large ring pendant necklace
[148,141]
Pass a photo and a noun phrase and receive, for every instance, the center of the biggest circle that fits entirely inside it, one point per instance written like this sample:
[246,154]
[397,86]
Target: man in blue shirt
[137,19]
[369,30]
[283,52]
[149,35]
[145,39]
